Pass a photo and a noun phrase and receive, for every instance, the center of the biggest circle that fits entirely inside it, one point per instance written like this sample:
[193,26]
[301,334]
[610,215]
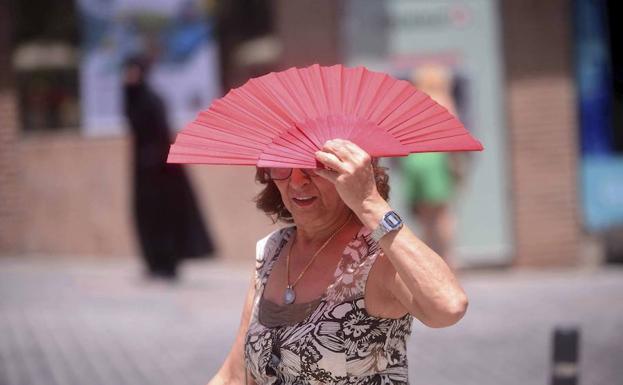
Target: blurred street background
[533,224]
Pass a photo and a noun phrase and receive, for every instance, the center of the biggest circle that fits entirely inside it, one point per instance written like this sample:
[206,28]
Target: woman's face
[312,200]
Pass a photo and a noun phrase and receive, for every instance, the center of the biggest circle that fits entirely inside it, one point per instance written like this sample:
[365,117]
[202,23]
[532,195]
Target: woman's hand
[352,173]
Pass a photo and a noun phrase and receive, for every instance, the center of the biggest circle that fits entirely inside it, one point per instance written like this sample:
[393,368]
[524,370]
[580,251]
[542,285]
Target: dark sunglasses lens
[278,173]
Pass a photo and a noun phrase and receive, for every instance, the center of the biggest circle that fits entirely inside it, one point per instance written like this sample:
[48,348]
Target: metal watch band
[391,222]
[379,232]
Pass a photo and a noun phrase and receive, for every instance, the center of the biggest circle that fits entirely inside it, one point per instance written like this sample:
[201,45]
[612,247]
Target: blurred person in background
[334,294]
[431,179]
[168,220]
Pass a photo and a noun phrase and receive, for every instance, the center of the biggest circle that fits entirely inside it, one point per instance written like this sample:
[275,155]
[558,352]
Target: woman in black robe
[167,217]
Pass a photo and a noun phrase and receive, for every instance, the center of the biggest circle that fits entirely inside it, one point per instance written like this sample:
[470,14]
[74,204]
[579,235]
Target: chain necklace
[289,296]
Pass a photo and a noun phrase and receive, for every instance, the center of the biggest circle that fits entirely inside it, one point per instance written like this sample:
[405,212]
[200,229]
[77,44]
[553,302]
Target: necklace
[289,296]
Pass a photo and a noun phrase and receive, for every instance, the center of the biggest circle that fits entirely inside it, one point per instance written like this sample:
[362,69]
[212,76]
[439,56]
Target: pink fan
[281,119]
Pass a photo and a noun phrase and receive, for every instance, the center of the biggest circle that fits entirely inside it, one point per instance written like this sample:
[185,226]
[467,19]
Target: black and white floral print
[339,342]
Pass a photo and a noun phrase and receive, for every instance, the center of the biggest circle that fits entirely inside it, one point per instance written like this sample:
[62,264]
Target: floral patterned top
[338,342]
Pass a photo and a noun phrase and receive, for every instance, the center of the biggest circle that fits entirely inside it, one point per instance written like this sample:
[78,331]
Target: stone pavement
[91,322]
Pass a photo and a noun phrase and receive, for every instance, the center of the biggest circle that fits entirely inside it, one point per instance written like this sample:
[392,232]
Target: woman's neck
[311,234]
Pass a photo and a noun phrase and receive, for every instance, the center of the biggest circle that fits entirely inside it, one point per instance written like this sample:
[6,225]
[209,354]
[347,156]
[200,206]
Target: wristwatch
[391,222]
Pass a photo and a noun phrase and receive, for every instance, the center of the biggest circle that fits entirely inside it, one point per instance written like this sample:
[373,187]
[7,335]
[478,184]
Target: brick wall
[541,112]
[9,194]
[79,199]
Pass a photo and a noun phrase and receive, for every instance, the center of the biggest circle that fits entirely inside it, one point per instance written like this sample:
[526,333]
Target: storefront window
[45,63]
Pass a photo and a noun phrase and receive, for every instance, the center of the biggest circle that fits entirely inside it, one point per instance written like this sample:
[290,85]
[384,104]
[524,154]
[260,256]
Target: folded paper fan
[281,119]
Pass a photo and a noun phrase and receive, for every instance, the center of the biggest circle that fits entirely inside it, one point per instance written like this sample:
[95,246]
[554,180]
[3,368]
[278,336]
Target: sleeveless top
[338,342]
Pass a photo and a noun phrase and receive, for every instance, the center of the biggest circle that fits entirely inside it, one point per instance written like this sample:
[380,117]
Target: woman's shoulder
[267,248]
[271,242]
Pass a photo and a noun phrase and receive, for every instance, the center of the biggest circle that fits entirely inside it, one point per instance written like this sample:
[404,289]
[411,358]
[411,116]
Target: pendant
[289,296]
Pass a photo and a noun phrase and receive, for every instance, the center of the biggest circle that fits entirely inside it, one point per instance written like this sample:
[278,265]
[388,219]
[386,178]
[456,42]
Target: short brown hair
[269,199]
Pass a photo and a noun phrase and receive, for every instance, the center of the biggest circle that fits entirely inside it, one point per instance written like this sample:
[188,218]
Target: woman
[328,303]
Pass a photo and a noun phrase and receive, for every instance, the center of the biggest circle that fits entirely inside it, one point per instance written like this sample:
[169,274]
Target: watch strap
[379,232]
[386,226]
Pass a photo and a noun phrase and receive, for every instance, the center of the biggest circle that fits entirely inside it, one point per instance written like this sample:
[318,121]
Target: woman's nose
[298,177]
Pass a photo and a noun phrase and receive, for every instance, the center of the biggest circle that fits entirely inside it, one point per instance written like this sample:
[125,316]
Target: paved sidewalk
[96,322]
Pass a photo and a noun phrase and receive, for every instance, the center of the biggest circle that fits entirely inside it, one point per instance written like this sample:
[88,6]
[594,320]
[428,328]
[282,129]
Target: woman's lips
[303,201]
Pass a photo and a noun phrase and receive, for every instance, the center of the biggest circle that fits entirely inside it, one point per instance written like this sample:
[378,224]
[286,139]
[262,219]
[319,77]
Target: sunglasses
[281,173]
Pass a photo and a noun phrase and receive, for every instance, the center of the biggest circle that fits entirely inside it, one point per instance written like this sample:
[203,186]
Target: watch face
[393,220]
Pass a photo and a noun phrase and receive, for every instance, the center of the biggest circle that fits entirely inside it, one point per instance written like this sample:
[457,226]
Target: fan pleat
[352,85]
[434,113]
[247,109]
[431,132]
[260,108]
[406,110]
[298,79]
[216,145]
[270,102]
[312,136]
[415,122]
[283,146]
[461,142]
[206,159]
[378,95]
[286,153]
[226,124]
[222,131]
[311,80]
[396,96]
[281,119]
[290,92]
[244,106]
[296,82]
[212,146]
[333,88]
[286,97]
[302,139]
[431,135]
[269,160]
[426,125]
[289,140]
[186,150]
[377,142]
[366,94]
[316,83]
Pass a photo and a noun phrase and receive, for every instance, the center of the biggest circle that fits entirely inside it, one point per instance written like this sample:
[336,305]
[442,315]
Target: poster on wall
[601,164]
[449,49]
[178,34]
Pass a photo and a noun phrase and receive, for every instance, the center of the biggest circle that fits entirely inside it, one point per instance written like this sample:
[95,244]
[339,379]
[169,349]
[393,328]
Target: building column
[309,31]
[9,194]
[541,110]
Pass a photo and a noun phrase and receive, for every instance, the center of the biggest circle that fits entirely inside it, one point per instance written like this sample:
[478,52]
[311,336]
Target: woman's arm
[233,369]
[416,277]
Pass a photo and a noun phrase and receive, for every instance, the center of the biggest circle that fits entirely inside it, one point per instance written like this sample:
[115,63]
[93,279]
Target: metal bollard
[565,356]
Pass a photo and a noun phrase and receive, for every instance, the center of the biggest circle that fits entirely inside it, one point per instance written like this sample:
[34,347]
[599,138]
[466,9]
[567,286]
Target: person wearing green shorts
[428,178]
[429,187]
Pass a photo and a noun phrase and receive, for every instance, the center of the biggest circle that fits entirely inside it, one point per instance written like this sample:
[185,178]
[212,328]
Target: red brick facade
[541,111]
[9,194]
